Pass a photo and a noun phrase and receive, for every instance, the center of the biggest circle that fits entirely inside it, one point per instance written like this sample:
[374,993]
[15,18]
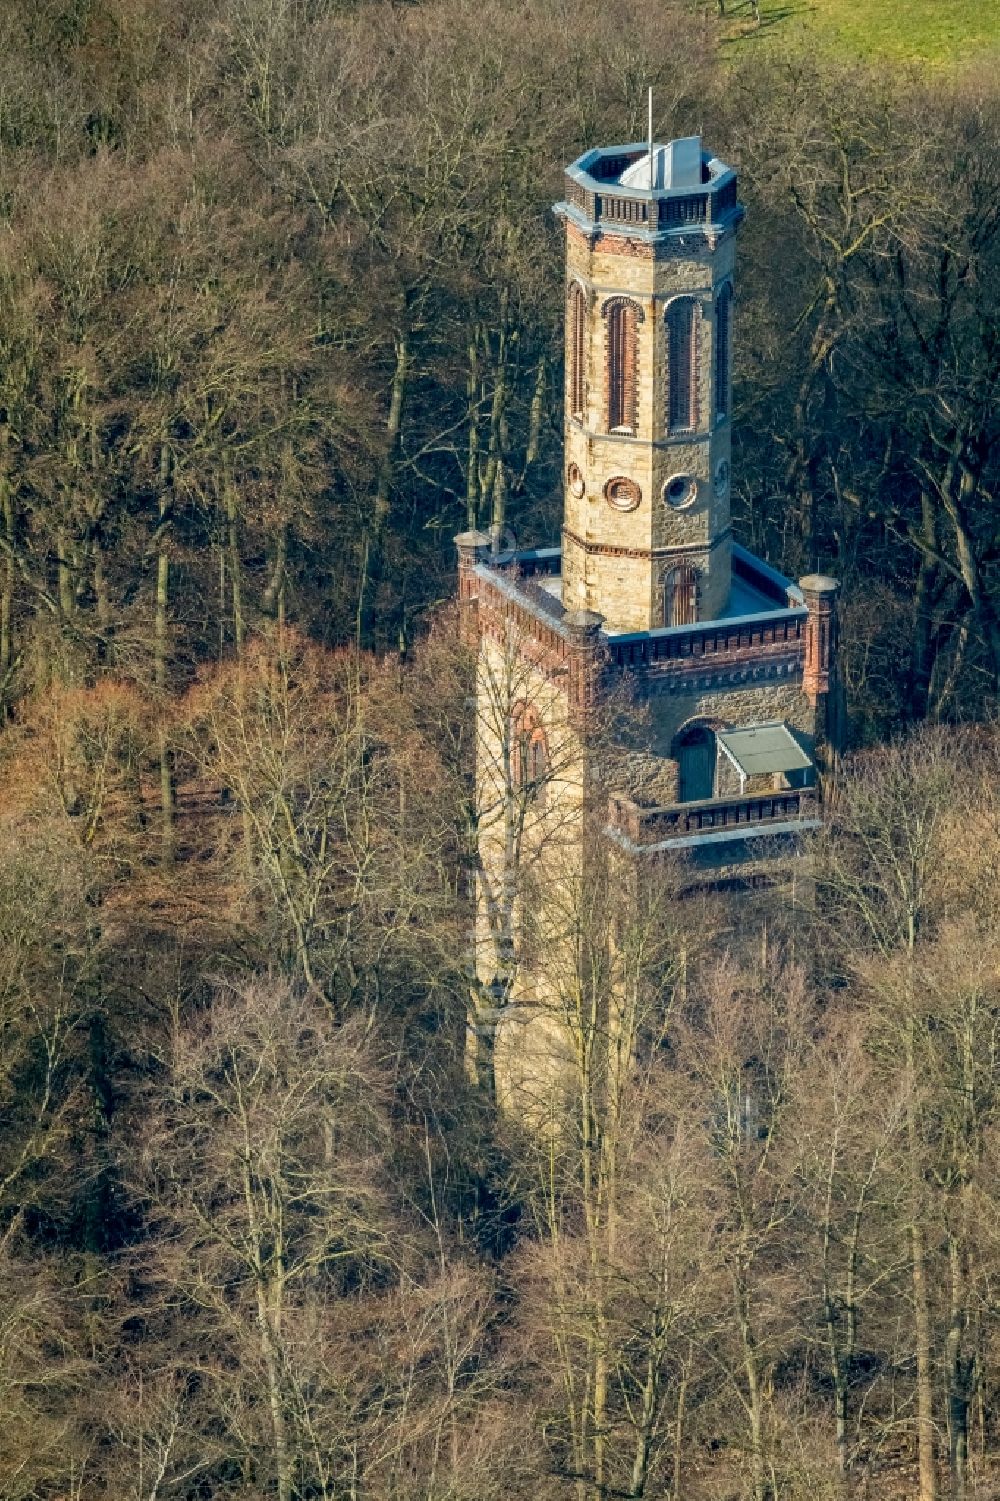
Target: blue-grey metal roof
[762,748]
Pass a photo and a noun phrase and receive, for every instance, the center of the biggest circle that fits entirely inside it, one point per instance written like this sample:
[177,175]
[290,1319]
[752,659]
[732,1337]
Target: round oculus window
[722,478]
[624,494]
[680,490]
[574,478]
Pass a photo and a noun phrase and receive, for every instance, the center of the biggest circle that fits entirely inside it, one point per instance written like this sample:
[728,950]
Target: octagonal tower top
[678,190]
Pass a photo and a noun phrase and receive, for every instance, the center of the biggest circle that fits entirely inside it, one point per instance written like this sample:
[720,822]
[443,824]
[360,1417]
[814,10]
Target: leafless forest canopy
[281,311]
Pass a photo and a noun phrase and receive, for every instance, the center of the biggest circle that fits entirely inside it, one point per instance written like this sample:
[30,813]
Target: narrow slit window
[622,318]
[577,322]
[682,365]
[723,349]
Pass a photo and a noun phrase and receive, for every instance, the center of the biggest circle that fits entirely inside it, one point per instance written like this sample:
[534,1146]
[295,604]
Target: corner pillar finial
[819,674]
[473,548]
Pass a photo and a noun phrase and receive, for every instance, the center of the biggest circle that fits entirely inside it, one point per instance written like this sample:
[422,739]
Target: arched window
[529,753]
[680,595]
[576,352]
[682,365]
[694,751]
[538,758]
[622,318]
[723,349]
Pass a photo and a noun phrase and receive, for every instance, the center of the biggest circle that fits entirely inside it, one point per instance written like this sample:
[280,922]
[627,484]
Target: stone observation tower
[649,318]
[734,666]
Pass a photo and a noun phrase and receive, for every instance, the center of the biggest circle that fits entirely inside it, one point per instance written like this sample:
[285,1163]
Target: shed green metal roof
[762,748]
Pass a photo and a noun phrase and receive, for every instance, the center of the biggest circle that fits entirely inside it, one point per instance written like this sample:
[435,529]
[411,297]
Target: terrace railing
[646,826]
[654,210]
[771,632]
[536,562]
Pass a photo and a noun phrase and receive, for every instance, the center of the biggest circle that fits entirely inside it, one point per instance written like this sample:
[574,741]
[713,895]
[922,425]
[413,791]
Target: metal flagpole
[651,182]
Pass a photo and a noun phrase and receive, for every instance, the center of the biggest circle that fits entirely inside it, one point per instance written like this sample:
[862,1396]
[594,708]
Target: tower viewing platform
[608,190]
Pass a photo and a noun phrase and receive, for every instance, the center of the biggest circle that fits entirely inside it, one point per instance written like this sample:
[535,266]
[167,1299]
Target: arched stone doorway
[694,750]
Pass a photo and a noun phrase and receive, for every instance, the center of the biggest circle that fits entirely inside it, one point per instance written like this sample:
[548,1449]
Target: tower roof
[676,165]
[684,190]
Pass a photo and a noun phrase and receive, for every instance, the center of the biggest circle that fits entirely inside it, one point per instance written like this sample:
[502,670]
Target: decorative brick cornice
[691,246]
[636,250]
[597,436]
[682,678]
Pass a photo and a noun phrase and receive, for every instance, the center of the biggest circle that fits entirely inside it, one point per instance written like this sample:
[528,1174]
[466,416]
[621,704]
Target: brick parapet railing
[777,633]
[537,562]
[504,607]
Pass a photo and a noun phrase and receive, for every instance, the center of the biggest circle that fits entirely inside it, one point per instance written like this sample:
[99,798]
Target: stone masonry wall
[641,766]
[743,705]
[627,587]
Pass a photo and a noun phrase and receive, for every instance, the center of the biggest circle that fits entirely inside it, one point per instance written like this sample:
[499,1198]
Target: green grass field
[936,32]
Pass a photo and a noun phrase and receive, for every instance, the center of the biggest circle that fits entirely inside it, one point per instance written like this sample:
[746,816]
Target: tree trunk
[393,429]
[495,456]
[66,592]
[960,1364]
[675,1488]
[472,460]
[274,594]
[755,1400]
[6,587]
[837,1370]
[922,1343]
[943,684]
[483,1027]
[282,1464]
[535,416]
[920,660]
[235,564]
[957,502]
[160,625]
[800,477]
[958,1374]
[101,599]
[373,566]
[921,1299]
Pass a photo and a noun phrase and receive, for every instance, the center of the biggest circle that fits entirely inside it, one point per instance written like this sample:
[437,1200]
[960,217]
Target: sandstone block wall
[533,843]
